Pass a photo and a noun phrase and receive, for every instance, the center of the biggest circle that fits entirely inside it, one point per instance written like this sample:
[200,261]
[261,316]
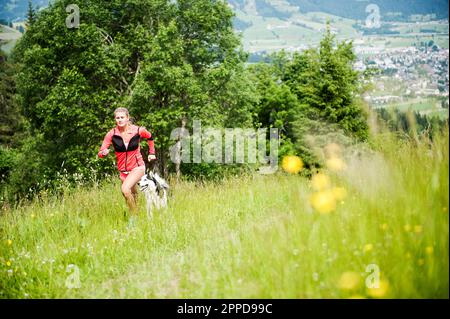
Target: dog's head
[146,183]
[159,181]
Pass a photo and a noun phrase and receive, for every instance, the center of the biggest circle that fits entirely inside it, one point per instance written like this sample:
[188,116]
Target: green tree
[325,80]
[31,14]
[164,61]
[12,124]
[313,93]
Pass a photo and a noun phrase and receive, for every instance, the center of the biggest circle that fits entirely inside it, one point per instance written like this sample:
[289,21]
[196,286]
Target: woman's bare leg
[135,193]
[127,188]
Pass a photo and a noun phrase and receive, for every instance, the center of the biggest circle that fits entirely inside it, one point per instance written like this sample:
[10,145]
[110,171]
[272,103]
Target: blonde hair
[122,109]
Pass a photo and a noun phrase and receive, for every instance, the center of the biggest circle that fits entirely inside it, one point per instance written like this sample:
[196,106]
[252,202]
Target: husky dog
[155,189]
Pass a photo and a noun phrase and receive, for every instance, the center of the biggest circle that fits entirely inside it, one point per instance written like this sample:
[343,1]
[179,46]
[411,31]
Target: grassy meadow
[372,225]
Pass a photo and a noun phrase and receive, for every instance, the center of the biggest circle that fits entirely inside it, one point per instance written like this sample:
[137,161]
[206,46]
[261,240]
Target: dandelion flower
[8,263]
[292,164]
[429,250]
[320,181]
[349,281]
[407,228]
[324,202]
[368,248]
[384,226]
[9,242]
[339,193]
[336,164]
[379,292]
[33,215]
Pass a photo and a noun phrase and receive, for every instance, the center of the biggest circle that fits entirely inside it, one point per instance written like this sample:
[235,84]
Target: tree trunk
[178,148]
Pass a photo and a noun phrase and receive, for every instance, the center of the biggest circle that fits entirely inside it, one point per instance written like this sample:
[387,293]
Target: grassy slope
[306,30]
[250,237]
[9,37]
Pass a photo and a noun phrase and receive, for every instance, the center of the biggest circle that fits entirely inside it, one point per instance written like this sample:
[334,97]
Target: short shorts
[123,175]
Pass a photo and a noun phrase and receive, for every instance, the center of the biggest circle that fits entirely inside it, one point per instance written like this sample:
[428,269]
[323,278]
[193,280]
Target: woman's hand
[151,157]
[105,152]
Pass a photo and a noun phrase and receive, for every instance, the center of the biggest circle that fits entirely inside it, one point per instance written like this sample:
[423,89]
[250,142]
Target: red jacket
[128,156]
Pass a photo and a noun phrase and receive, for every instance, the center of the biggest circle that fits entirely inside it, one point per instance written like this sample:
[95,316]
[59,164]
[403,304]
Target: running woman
[126,138]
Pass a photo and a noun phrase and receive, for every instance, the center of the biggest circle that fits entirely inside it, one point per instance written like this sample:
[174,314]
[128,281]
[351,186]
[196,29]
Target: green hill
[247,237]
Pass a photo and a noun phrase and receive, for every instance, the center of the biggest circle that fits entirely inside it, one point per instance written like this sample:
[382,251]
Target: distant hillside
[352,9]
[271,25]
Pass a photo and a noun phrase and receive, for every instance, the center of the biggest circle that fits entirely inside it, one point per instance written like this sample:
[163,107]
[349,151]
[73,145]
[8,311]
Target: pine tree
[31,15]
[325,81]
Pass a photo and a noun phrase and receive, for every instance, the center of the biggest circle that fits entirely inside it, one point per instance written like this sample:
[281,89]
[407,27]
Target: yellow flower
[379,292]
[320,181]
[349,281]
[421,262]
[8,263]
[33,215]
[339,193]
[357,297]
[324,202]
[384,226]
[292,164]
[407,228]
[336,164]
[368,248]
[9,242]
[418,229]
[429,250]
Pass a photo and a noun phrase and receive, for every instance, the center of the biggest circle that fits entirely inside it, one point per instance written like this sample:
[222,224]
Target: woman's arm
[106,143]
[146,134]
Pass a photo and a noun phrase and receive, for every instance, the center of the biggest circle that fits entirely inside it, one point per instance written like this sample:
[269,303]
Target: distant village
[423,72]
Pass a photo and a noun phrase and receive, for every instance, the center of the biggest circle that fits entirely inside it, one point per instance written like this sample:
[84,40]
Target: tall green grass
[249,237]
